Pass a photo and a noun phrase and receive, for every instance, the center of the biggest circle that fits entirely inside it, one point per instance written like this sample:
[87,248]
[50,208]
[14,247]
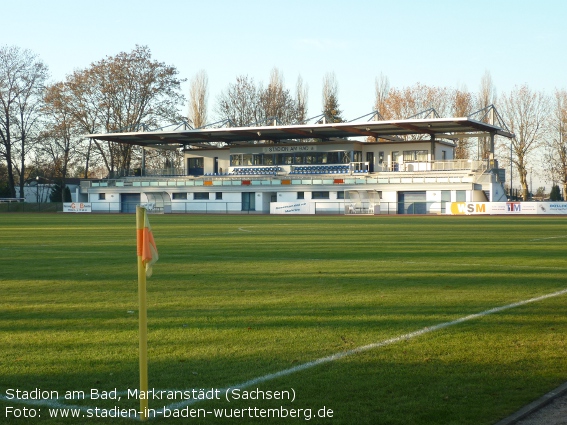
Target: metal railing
[177,177]
[14,207]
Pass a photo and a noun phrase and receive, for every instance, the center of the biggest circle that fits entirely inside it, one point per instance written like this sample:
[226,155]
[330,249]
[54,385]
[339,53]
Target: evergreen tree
[555,194]
[55,195]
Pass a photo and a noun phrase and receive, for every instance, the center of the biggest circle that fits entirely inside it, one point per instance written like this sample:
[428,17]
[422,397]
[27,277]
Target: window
[268,159]
[333,158]
[341,194]
[101,196]
[395,159]
[300,195]
[196,162]
[319,195]
[284,158]
[236,159]
[218,196]
[179,196]
[410,156]
[247,159]
[380,158]
[201,196]
[461,196]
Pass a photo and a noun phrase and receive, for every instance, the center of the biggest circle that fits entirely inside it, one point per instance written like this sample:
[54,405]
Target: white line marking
[322,360]
[551,237]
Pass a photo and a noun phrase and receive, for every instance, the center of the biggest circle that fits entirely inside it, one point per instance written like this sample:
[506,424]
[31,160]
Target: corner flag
[146,244]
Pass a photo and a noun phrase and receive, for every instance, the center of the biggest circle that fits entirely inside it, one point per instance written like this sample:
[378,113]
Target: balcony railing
[402,173]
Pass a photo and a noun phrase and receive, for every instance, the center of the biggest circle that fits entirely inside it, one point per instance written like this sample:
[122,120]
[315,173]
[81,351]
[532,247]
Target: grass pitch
[235,298]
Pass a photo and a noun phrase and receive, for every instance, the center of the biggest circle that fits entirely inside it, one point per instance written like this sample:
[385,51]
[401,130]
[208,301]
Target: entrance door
[412,203]
[370,160]
[128,202]
[248,201]
[395,165]
[195,166]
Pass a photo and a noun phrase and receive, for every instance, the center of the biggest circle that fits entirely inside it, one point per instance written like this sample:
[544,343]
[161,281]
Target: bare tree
[411,101]
[526,112]
[22,80]
[556,145]
[61,136]
[486,97]
[301,96]
[330,98]
[276,102]
[463,104]
[487,91]
[122,93]
[246,104]
[382,89]
[240,102]
[198,99]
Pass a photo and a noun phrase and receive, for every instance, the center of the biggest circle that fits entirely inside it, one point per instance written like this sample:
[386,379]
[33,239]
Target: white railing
[383,174]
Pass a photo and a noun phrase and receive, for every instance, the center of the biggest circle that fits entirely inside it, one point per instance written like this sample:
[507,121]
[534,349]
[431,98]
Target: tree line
[43,123]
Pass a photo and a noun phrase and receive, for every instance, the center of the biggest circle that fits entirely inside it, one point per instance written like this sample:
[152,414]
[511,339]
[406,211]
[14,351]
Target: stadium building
[360,167]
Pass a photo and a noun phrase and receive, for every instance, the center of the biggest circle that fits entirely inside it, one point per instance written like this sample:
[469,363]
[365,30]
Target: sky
[445,43]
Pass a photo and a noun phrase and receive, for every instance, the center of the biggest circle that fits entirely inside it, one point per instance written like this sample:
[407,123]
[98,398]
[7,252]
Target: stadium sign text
[300,207]
[77,207]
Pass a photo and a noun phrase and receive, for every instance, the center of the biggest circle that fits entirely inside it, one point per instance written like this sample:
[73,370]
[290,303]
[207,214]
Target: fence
[220,207]
[31,207]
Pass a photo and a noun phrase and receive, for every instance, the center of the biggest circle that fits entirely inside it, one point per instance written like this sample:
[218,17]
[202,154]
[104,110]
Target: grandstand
[409,165]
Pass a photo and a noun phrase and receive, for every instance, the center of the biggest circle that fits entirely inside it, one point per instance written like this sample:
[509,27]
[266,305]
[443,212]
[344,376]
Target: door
[248,201]
[128,202]
[195,166]
[412,203]
[395,165]
[370,160]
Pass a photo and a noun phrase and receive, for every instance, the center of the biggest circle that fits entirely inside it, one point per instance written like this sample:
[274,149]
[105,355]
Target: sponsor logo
[464,208]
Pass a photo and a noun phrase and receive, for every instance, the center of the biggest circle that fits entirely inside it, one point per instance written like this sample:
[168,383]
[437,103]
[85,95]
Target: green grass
[238,297]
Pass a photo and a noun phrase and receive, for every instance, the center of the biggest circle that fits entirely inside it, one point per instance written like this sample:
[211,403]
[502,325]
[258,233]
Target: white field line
[55,403]
[545,239]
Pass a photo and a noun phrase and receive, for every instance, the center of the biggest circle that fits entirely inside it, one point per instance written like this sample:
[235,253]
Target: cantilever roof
[441,128]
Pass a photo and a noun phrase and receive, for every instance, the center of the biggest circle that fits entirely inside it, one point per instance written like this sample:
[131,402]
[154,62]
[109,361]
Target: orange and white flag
[147,246]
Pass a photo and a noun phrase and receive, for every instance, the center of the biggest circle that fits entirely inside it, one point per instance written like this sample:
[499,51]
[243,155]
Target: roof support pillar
[432,149]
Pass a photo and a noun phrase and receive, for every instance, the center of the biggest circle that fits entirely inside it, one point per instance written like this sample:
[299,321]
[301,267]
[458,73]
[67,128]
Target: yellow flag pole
[143,316]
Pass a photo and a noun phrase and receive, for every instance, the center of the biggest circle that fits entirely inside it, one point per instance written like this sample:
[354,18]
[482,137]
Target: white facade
[313,177]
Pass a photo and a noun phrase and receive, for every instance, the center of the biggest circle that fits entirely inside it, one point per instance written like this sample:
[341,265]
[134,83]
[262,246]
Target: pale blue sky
[434,42]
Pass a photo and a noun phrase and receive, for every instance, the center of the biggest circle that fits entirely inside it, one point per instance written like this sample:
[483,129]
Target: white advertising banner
[298,207]
[508,208]
[552,208]
[77,207]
